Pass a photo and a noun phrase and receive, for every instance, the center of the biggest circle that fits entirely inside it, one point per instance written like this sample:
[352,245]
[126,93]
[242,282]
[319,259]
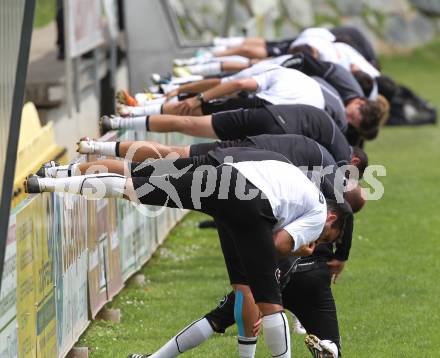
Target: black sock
[117,148]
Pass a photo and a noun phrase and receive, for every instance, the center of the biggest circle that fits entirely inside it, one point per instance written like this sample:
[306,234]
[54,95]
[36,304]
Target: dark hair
[371,134]
[365,81]
[301,49]
[371,113]
[341,214]
[387,87]
[345,38]
[354,198]
[363,160]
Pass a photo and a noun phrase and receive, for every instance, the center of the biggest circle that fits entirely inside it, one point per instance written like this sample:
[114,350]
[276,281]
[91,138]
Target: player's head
[370,130]
[345,38]
[354,197]
[359,159]
[334,224]
[363,114]
[303,49]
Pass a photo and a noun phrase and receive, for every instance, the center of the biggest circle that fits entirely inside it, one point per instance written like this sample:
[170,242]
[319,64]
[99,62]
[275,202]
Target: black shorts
[309,296]
[242,123]
[168,166]
[199,149]
[244,226]
[260,272]
[229,104]
[278,48]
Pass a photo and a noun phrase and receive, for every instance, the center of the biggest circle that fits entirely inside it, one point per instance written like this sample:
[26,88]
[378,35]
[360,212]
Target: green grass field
[45,11]
[387,297]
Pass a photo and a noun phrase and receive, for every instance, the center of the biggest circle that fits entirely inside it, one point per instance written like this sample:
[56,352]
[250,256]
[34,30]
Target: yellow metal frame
[36,146]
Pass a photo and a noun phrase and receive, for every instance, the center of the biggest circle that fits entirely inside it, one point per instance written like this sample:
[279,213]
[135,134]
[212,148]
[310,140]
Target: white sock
[95,186]
[247,346]
[106,148]
[146,110]
[207,69]
[191,336]
[229,41]
[276,334]
[138,123]
[63,171]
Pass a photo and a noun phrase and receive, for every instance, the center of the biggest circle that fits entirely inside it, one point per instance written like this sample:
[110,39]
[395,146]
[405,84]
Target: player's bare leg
[254,41]
[190,125]
[142,150]
[246,314]
[197,126]
[245,51]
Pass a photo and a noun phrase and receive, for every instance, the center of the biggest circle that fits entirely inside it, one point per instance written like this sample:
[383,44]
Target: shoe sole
[105,127]
[80,148]
[31,185]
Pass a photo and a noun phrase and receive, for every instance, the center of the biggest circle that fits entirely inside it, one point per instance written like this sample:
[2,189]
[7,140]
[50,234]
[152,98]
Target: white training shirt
[288,86]
[322,40]
[349,56]
[280,85]
[317,32]
[296,202]
[254,70]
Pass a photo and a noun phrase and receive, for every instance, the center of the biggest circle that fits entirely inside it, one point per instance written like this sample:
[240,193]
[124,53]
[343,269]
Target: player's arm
[285,243]
[344,245]
[337,263]
[199,86]
[221,90]
[229,88]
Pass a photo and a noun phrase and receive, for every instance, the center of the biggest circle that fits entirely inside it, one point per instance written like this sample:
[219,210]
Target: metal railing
[16,19]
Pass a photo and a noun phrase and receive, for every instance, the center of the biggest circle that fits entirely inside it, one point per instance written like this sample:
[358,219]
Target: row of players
[284,231]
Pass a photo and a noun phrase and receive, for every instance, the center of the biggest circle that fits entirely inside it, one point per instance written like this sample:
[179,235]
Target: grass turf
[45,11]
[388,294]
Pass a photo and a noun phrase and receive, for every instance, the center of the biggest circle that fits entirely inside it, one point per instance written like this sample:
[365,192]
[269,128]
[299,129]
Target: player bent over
[253,227]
